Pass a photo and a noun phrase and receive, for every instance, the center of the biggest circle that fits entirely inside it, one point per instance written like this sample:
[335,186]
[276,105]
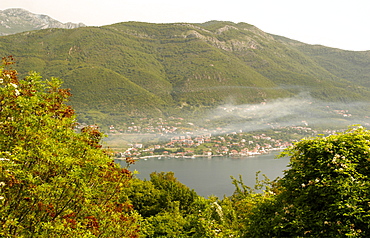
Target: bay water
[211,175]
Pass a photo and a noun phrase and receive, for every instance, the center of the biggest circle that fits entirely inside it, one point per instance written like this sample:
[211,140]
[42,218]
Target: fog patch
[301,109]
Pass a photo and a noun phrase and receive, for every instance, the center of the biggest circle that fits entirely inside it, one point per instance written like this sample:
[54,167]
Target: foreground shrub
[53,180]
[326,193]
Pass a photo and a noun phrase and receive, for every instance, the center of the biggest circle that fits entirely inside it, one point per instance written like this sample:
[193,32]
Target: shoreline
[203,156]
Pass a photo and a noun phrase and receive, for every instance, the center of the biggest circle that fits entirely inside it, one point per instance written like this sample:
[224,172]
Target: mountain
[136,69]
[15,20]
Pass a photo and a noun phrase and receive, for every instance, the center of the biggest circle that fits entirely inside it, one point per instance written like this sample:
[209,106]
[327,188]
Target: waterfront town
[175,138]
[208,145]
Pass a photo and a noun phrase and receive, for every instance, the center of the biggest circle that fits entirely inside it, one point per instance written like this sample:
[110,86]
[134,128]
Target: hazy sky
[336,23]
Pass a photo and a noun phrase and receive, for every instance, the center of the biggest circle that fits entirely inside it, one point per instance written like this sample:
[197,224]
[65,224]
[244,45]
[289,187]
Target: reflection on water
[211,176]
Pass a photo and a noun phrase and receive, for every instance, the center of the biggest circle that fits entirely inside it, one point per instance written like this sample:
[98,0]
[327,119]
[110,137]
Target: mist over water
[300,110]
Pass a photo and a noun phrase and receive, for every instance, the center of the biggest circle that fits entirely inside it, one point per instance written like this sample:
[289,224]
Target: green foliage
[164,203]
[174,190]
[160,194]
[325,193]
[170,209]
[54,181]
[166,224]
[214,219]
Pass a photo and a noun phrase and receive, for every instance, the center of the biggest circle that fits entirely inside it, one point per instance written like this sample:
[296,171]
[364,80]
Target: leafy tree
[170,209]
[174,190]
[53,180]
[169,223]
[325,193]
[164,203]
[213,218]
[146,199]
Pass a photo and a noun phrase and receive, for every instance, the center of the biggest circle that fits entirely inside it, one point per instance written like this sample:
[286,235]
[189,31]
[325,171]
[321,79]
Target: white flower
[1,197]
[14,85]
[2,184]
[17,93]
[1,80]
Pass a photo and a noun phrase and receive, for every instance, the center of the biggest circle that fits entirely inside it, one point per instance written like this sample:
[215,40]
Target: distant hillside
[15,20]
[136,69]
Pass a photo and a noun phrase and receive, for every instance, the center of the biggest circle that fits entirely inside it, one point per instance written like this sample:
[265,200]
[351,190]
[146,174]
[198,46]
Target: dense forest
[59,181]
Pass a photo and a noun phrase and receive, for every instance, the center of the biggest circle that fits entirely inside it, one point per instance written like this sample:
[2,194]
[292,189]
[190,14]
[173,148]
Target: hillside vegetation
[136,69]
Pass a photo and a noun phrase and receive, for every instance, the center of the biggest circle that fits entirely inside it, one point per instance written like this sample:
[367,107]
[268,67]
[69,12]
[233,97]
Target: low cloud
[301,109]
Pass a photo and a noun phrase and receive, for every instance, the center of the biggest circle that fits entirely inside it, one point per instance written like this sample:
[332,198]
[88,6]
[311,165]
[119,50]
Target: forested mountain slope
[136,69]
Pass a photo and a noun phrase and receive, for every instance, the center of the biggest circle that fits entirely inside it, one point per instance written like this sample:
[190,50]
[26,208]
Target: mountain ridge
[16,20]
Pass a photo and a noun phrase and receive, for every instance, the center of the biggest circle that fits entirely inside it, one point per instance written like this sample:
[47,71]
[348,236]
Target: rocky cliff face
[17,20]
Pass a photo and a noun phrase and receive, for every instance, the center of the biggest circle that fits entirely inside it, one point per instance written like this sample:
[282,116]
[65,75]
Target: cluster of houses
[208,145]
[344,113]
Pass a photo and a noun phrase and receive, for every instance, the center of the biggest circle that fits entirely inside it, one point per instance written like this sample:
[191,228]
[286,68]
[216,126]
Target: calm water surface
[211,176]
